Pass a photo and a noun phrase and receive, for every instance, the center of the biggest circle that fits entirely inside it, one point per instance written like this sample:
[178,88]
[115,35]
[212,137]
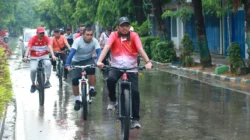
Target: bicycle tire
[41,82]
[84,102]
[60,73]
[125,110]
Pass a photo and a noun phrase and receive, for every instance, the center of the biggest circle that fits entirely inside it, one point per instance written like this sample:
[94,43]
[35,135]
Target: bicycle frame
[124,82]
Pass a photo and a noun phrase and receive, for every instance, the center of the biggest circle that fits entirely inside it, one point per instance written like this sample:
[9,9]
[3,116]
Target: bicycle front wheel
[125,110]
[60,73]
[84,102]
[41,87]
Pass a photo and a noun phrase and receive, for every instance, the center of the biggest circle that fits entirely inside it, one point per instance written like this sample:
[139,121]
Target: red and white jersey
[39,47]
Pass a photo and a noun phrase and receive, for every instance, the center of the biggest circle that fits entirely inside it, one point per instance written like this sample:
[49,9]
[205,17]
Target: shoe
[54,68]
[47,84]
[92,92]
[77,105]
[135,124]
[33,88]
[111,105]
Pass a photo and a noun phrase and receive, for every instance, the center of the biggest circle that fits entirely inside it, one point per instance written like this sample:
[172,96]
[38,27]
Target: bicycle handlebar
[82,67]
[125,69]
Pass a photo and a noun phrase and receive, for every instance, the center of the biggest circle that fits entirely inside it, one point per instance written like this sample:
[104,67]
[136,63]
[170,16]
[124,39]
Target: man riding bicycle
[58,43]
[81,53]
[103,39]
[81,28]
[124,46]
[38,47]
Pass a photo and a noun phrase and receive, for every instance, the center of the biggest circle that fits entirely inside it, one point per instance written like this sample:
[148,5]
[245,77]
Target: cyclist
[81,28]
[103,39]
[58,43]
[125,46]
[38,47]
[81,53]
[61,32]
[69,36]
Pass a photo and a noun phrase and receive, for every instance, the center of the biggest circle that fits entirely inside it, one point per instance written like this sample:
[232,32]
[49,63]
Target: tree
[205,57]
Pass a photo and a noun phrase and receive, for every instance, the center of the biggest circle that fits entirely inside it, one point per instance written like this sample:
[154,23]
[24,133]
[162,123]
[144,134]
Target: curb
[2,122]
[205,74]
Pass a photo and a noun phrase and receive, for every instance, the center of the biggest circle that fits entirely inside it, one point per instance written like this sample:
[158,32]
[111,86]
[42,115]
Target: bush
[142,30]
[147,43]
[187,51]
[5,82]
[234,57]
[164,52]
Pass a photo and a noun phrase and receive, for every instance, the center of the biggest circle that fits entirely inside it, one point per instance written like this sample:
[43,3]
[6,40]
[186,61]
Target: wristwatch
[147,61]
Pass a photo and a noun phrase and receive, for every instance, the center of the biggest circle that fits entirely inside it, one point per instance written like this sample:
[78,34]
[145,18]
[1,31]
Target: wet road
[172,108]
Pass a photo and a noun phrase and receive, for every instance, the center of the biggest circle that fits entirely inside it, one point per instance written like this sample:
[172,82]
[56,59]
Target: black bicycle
[40,78]
[124,100]
[60,67]
[84,89]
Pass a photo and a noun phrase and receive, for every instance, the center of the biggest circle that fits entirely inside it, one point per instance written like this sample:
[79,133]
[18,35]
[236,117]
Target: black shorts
[77,73]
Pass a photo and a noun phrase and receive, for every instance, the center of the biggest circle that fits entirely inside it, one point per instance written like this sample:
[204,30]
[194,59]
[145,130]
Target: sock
[77,98]
[91,87]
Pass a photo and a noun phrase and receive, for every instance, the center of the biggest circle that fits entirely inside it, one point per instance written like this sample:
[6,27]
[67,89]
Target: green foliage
[5,85]
[184,13]
[147,43]
[142,30]
[164,52]
[187,51]
[234,57]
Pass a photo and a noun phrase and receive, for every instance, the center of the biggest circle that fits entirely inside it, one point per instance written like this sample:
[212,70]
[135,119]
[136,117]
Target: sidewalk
[216,59]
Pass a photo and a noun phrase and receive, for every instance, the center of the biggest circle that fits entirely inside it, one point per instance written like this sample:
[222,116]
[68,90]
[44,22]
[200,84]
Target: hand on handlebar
[148,66]
[25,59]
[54,58]
[100,65]
[68,68]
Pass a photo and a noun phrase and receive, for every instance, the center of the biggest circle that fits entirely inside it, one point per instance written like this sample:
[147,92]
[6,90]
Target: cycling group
[123,45]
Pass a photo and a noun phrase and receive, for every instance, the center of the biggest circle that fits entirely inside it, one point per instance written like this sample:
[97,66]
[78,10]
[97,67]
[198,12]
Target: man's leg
[91,76]
[47,65]
[76,75]
[113,77]
[133,78]
[64,57]
[33,69]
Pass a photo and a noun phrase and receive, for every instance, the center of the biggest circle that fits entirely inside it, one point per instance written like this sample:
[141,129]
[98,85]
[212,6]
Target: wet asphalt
[172,108]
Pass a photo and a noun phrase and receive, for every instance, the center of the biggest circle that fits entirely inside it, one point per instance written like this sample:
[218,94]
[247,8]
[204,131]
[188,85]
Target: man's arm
[146,59]
[66,43]
[69,59]
[103,53]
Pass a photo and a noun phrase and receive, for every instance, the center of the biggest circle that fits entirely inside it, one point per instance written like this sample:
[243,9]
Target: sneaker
[135,124]
[33,88]
[47,84]
[111,105]
[77,105]
[54,68]
[92,92]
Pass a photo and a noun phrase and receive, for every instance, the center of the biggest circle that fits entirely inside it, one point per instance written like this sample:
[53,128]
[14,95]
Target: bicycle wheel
[84,102]
[125,110]
[41,86]
[60,73]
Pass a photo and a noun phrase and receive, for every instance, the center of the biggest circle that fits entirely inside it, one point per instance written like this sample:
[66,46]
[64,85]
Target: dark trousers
[114,76]
[63,58]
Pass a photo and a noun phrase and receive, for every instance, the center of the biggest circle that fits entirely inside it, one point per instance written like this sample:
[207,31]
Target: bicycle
[60,67]
[40,78]
[124,100]
[84,89]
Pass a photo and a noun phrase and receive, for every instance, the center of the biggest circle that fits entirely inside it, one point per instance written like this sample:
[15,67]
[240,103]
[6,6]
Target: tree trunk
[247,15]
[161,26]
[205,57]
[139,13]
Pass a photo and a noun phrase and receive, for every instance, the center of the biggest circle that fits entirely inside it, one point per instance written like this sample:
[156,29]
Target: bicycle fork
[85,80]
[121,85]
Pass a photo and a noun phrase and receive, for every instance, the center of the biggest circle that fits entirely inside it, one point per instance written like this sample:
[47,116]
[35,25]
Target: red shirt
[77,35]
[39,47]
[124,52]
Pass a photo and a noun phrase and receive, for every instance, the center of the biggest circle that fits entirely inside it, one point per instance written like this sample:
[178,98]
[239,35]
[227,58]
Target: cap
[40,30]
[109,28]
[56,30]
[68,28]
[123,20]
